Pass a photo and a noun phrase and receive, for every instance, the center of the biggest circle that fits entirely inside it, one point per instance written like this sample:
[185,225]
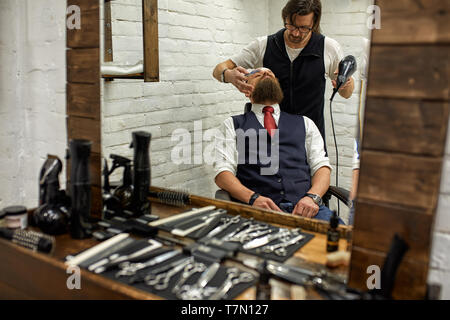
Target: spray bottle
[80,188]
[141,177]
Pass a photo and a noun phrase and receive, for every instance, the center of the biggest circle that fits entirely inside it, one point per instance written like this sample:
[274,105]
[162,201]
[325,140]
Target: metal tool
[322,280]
[233,278]
[198,290]
[188,272]
[189,213]
[82,257]
[241,228]
[259,242]
[130,269]
[161,281]
[140,276]
[227,223]
[249,237]
[183,233]
[280,248]
[249,233]
[201,233]
[189,222]
[115,262]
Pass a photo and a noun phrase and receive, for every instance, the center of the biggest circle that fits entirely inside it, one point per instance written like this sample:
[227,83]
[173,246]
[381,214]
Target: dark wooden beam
[88,35]
[108,54]
[150,36]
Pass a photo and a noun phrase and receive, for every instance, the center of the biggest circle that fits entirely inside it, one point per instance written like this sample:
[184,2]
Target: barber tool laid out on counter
[35,241]
[165,271]
[214,227]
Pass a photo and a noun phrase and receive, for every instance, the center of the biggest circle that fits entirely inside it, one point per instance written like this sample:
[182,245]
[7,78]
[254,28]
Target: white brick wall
[193,37]
[440,253]
[32,94]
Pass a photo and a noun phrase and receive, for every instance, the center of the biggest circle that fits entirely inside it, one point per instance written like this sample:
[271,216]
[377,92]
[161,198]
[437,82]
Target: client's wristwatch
[316,198]
[223,75]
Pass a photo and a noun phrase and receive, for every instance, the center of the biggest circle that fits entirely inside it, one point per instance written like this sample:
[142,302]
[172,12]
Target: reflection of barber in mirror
[355,176]
[300,58]
[301,175]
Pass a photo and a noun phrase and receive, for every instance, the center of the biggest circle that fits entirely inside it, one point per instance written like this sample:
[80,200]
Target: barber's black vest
[293,178]
[303,80]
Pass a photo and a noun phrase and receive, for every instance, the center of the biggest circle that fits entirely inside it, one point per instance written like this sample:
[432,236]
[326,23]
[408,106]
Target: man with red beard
[272,159]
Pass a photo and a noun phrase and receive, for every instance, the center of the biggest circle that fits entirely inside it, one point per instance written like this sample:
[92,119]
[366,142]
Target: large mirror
[184,108]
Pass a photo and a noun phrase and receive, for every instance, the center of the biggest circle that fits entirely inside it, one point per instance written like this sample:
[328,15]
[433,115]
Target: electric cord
[336,148]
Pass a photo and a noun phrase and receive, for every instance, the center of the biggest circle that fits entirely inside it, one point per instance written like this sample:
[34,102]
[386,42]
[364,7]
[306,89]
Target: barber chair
[341,194]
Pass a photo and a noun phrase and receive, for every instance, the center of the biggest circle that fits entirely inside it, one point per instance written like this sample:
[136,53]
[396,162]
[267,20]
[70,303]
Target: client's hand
[265,203]
[306,207]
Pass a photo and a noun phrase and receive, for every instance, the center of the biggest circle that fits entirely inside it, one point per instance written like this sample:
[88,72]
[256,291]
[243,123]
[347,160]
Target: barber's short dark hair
[302,8]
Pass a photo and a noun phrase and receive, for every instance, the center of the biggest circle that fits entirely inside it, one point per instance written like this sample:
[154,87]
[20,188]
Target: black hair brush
[171,197]
[35,241]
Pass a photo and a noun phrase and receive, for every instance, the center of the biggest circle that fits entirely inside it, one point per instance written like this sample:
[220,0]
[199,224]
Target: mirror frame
[405,125]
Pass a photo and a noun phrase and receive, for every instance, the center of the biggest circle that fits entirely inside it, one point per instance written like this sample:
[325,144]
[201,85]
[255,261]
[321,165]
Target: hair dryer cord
[337,152]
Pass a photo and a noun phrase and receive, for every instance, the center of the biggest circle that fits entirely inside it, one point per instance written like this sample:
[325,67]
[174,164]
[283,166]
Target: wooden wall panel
[96,201]
[85,128]
[83,100]
[407,126]
[415,72]
[88,36]
[410,278]
[399,179]
[406,119]
[151,42]
[83,89]
[108,54]
[422,21]
[413,225]
[83,65]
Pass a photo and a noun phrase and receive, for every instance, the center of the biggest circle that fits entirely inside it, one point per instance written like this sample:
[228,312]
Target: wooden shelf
[128,76]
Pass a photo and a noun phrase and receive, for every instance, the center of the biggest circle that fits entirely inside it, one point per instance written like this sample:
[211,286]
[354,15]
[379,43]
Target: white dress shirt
[226,155]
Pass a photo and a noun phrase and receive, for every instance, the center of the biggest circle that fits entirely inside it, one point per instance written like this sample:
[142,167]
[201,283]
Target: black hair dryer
[347,68]
[52,214]
[141,173]
[80,188]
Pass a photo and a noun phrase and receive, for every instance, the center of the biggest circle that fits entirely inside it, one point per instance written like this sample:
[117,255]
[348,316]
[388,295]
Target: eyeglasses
[301,29]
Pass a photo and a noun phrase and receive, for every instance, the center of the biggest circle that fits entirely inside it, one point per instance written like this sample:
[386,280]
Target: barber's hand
[306,207]
[237,77]
[345,85]
[265,203]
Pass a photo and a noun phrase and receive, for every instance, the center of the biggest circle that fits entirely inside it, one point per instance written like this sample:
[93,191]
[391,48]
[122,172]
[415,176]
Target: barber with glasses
[299,56]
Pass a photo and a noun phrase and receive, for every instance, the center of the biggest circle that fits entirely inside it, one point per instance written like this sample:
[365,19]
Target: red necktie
[269,121]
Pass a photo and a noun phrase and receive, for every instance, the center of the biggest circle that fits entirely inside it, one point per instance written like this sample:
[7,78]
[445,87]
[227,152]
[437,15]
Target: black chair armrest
[340,193]
[222,195]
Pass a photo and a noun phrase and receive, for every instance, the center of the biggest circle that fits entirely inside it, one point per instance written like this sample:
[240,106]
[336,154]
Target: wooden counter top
[29,275]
